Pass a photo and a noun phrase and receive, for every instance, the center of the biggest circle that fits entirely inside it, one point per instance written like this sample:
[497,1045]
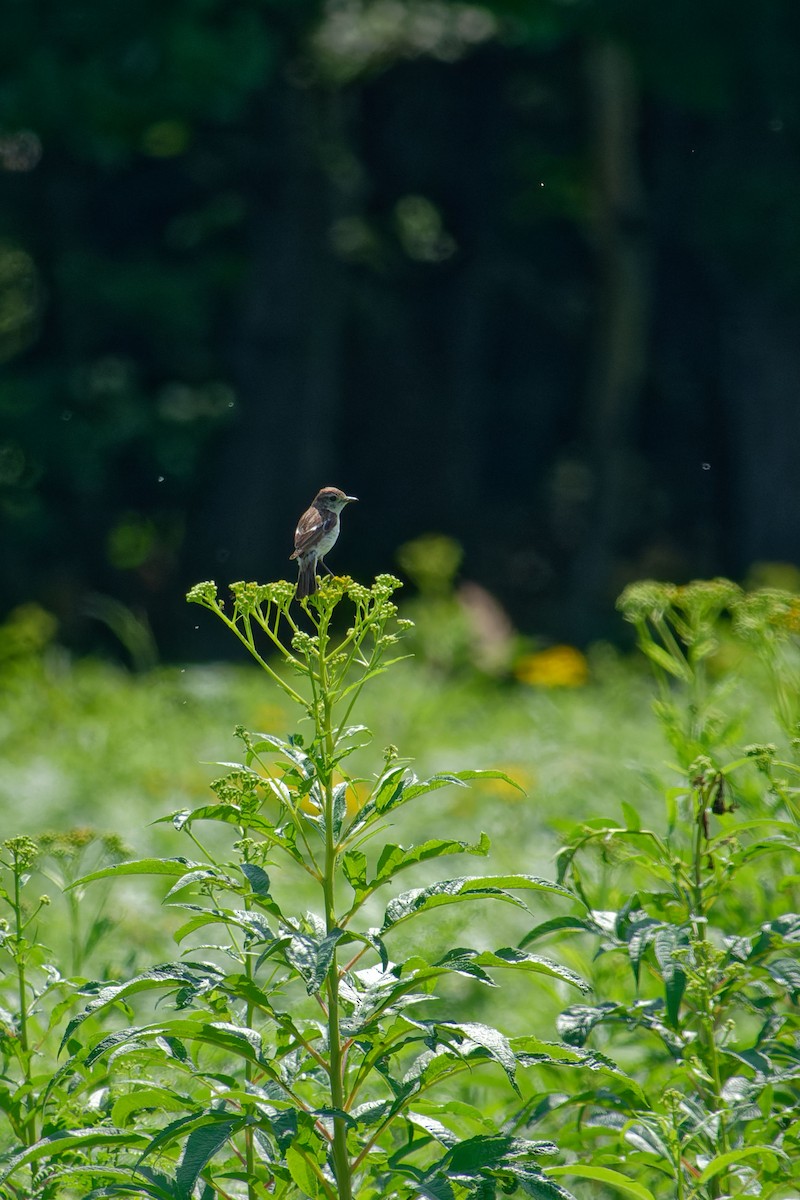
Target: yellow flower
[558,666]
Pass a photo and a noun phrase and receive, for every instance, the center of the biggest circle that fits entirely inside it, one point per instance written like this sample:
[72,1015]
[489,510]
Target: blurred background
[524,273]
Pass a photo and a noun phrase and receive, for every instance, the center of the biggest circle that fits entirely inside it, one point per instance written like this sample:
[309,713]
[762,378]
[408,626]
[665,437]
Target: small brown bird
[316,534]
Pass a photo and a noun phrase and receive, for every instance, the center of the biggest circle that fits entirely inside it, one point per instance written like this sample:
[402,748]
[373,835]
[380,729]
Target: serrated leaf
[312,957]
[396,858]
[641,930]
[420,787]
[201,875]
[538,1185]
[495,1043]
[458,890]
[246,1043]
[69,1142]
[666,943]
[294,753]
[149,1184]
[434,1186]
[167,975]
[139,866]
[389,787]
[435,1128]
[786,972]
[575,1023]
[339,807]
[201,1145]
[475,1154]
[514,959]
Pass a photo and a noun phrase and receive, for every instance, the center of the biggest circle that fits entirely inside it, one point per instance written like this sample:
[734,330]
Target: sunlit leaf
[613,1179]
[467,887]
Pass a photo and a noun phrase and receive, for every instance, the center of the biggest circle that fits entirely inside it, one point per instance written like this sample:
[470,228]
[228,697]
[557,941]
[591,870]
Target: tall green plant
[710,1023]
[37,996]
[309,1053]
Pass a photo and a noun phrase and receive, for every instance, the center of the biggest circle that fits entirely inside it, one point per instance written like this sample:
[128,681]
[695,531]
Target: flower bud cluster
[203,593]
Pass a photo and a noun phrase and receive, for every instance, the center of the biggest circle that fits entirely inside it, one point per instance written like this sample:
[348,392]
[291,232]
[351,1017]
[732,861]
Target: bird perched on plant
[316,534]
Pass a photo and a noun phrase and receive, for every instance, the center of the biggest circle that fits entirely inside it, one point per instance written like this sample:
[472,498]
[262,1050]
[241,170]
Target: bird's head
[332,499]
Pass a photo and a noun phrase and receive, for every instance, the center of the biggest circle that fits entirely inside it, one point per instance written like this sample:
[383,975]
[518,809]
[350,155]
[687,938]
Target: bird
[316,534]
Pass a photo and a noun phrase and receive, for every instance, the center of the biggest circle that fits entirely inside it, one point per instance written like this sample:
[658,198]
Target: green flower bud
[203,593]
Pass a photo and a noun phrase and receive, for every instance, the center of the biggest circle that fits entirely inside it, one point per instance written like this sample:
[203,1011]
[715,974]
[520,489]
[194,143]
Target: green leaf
[257,877]
[396,858]
[537,1184]
[246,1043]
[146,1183]
[435,1128]
[189,975]
[514,959]
[394,789]
[295,754]
[140,866]
[244,988]
[577,1022]
[477,1153]
[667,941]
[786,972]
[354,869]
[303,1174]
[434,1186]
[203,875]
[227,813]
[254,924]
[636,1191]
[202,1144]
[69,1142]
[489,1039]
[159,1099]
[312,957]
[559,925]
[769,1154]
[339,808]
[631,815]
[464,776]
[638,931]
[471,962]
[465,887]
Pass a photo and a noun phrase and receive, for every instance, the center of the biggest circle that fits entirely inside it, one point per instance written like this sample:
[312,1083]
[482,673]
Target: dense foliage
[306,1042]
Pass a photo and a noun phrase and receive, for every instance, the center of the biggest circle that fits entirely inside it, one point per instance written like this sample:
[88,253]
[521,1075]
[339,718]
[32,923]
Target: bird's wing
[311,527]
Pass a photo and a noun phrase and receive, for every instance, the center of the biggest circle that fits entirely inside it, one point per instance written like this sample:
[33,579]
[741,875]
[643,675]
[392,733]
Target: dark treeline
[524,273]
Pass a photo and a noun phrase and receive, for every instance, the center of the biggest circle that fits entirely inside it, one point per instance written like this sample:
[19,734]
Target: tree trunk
[617,363]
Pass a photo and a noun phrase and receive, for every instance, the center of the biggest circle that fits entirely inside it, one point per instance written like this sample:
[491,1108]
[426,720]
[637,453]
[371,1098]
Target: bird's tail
[307,579]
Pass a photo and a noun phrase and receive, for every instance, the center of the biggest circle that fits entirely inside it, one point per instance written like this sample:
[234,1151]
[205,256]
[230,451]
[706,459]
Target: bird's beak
[350,499]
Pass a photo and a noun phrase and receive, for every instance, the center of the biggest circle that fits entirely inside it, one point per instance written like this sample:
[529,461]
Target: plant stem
[706,1009]
[249,1151]
[341,1162]
[28,1123]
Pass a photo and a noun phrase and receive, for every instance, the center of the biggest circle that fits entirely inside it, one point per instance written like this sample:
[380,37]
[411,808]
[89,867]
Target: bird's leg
[320,563]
